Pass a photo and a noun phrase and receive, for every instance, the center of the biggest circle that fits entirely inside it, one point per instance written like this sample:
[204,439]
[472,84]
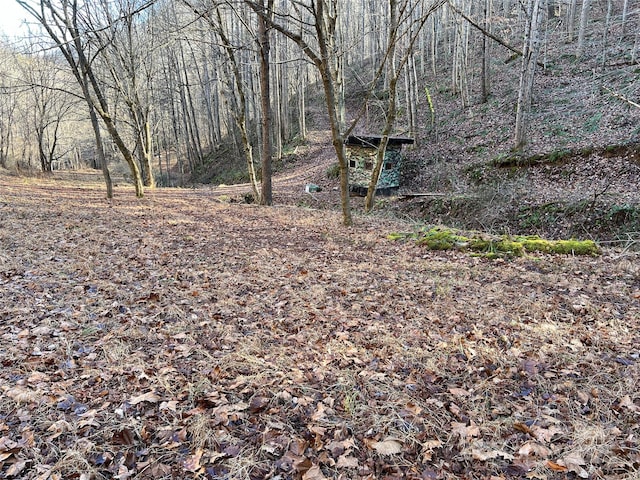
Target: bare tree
[584,20]
[265,101]
[126,51]
[401,14]
[530,52]
[49,106]
[68,27]
[8,107]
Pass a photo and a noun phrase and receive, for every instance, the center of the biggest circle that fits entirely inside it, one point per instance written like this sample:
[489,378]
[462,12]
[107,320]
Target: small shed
[361,154]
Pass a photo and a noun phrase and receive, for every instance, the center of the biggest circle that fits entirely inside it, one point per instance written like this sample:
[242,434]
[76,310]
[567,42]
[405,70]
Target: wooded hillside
[177,89]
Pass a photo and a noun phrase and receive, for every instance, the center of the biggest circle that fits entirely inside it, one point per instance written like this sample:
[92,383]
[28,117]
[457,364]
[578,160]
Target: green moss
[567,247]
[440,238]
[400,236]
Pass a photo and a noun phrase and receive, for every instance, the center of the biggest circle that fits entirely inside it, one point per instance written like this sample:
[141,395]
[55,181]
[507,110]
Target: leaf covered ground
[179,336]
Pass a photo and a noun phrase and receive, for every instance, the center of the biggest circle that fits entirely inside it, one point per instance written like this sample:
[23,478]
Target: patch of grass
[334,170]
[442,238]
[592,123]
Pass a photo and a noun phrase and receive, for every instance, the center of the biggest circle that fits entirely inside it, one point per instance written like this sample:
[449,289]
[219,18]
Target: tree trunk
[571,20]
[391,105]
[605,35]
[625,11]
[102,160]
[584,20]
[529,60]
[266,196]
[486,57]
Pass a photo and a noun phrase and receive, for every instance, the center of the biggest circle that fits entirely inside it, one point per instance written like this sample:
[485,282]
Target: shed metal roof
[373,141]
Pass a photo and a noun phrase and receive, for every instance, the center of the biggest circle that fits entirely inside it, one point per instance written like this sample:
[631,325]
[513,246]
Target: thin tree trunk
[530,53]
[266,196]
[571,20]
[102,159]
[625,12]
[391,105]
[605,35]
[302,107]
[584,20]
[486,57]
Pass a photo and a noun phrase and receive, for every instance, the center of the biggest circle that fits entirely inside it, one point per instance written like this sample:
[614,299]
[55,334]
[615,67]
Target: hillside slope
[579,173]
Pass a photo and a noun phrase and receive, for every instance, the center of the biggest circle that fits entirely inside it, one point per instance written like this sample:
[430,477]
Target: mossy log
[442,238]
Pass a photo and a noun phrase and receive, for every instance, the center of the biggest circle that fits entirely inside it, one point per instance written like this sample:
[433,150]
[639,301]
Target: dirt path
[314,158]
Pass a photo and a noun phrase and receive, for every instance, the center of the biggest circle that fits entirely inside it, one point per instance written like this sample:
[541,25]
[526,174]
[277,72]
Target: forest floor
[185,336]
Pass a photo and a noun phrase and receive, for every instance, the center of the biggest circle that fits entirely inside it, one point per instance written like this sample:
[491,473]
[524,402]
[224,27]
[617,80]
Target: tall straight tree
[265,101]
[527,72]
[582,29]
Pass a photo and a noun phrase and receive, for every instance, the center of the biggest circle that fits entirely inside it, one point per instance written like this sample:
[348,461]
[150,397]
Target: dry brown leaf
[151,397]
[347,461]
[192,462]
[15,468]
[389,446]
[534,448]
[459,392]
[171,405]
[483,452]
[319,413]
[317,430]
[484,455]
[626,402]
[431,444]
[574,462]
[413,408]
[523,427]
[258,403]
[465,431]
[545,434]
[123,437]
[556,467]
[22,395]
[314,473]
[37,377]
